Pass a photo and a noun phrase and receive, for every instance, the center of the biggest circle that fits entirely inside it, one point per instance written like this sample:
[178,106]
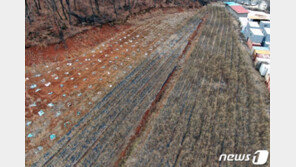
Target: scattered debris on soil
[64,91]
[173,89]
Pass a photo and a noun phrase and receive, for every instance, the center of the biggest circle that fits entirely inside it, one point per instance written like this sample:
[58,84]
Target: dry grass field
[175,89]
[216,105]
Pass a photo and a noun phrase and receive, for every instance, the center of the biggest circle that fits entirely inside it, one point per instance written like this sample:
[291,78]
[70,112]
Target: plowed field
[175,89]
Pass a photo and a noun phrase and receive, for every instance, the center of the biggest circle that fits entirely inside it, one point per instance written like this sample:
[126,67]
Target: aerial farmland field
[172,88]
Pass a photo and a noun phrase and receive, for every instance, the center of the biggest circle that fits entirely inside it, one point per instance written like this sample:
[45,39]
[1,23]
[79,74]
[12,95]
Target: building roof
[239,9]
[256,31]
[243,21]
[231,3]
[266,52]
[267,30]
[256,15]
[265,22]
[253,24]
[260,48]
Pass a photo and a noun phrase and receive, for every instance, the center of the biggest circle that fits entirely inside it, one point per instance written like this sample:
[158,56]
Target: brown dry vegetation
[186,93]
[214,108]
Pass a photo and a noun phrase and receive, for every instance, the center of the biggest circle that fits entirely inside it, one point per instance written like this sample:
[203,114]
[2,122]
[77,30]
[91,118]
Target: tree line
[62,14]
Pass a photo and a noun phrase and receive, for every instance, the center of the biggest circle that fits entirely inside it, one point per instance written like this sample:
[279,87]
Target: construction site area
[171,87]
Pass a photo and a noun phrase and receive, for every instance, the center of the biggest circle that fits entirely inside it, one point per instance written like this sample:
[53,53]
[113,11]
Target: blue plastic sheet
[50,105]
[33,86]
[28,123]
[40,148]
[52,136]
[41,112]
[58,113]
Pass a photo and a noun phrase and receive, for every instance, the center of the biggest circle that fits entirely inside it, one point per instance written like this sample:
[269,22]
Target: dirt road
[173,90]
